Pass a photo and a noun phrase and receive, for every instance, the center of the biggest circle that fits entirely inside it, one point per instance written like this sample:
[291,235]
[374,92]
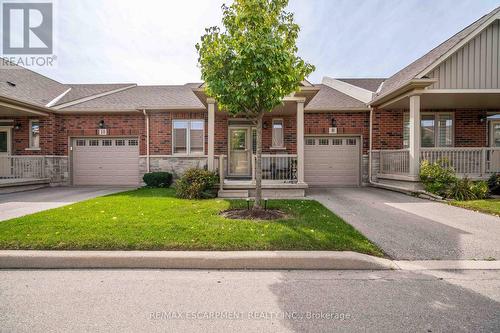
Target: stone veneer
[173,164]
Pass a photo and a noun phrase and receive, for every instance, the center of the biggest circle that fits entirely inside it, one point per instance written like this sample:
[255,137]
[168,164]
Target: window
[496,134]
[310,142]
[93,142]
[436,130]
[107,142]
[350,142]
[34,134]
[80,143]
[188,136]
[119,142]
[337,142]
[133,142]
[278,133]
[323,142]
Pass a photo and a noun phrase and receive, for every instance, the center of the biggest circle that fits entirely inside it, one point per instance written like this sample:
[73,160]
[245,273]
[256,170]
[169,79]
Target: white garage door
[105,161]
[332,161]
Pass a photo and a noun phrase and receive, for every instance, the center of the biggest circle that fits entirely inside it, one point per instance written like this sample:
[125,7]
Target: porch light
[482,118]
[101,124]
[17,126]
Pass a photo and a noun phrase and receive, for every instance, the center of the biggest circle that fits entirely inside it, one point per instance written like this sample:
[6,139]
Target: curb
[300,260]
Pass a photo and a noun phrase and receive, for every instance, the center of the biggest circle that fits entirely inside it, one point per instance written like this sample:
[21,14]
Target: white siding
[474,66]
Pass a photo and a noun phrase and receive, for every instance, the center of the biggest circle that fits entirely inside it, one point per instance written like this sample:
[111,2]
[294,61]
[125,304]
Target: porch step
[233,194]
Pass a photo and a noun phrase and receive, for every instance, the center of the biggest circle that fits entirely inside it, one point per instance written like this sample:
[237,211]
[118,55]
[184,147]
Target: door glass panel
[3,142]
[445,134]
[496,134]
[427,130]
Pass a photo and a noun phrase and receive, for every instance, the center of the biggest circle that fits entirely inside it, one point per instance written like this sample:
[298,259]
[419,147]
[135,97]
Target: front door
[240,152]
[5,167]
[494,156]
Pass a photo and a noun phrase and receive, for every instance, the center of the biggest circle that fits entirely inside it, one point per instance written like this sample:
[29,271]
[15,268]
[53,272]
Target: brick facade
[55,130]
[347,123]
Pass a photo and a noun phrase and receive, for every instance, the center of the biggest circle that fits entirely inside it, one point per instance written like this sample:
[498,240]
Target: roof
[79,91]
[331,99]
[415,68]
[143,97]
[22,84]
[370,84]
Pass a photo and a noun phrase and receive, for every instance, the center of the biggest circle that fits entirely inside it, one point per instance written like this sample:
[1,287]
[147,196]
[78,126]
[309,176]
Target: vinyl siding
[474,66]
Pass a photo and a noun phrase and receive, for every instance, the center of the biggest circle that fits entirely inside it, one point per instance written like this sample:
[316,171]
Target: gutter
[146,117]
[23,106]
[370,147]
[408,86]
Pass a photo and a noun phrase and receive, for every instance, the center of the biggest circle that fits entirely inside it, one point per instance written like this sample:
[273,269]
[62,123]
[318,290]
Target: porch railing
[14,167]
[279,167]
[396,162]
[472,162]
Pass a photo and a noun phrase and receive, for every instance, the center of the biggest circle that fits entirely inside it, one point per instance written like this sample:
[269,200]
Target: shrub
[196,184]
[437,177]
[465,189]
[158,179]
[494,183]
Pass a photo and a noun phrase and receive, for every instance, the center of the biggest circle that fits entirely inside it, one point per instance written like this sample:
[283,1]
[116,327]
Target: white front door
[494,156]
[5,144]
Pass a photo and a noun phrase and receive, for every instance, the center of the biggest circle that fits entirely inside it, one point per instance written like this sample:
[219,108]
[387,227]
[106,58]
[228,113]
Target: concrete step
[233,194]
[19,185]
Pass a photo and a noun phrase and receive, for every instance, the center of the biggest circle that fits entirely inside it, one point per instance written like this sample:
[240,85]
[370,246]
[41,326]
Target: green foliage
[437,177]
[465,189]
[158,179]
[196,184]
[252,64]
[494,183]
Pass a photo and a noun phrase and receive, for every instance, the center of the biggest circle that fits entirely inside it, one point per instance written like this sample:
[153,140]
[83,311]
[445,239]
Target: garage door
[105,161]
[332,161]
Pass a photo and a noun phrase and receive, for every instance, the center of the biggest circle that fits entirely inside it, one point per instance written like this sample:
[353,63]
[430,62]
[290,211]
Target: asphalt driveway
[23,203]
[410,228]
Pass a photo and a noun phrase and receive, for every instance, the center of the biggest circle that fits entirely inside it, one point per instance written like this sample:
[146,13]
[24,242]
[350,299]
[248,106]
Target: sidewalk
[257,260]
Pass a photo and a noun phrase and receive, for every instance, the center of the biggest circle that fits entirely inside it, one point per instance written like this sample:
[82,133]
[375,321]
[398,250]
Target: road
[249,301]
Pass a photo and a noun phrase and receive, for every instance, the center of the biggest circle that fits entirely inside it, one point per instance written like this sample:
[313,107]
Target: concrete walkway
[23,203]
[408,228]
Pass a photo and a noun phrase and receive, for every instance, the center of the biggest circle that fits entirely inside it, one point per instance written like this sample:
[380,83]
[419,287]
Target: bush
[440,179]
[465,189]
[494,183]
[196,184]
[158,179]
[437,177]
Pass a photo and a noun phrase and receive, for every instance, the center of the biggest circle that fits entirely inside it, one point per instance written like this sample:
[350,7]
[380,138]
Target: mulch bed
[254,214]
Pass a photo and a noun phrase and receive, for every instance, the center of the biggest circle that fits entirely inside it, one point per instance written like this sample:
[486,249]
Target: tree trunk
[258,164]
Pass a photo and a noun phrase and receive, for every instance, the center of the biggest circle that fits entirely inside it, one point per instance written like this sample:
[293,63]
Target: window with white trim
[278,133]
[436,130]
[188,137]
[34,134]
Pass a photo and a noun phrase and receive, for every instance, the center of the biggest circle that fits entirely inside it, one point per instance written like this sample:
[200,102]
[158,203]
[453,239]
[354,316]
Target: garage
[332,161]
[105,161]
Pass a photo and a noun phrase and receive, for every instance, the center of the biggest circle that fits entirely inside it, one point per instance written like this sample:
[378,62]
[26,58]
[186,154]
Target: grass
[488,206]
[154,219]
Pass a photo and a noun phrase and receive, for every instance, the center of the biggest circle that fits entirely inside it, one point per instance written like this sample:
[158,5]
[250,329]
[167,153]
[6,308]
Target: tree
[251,65]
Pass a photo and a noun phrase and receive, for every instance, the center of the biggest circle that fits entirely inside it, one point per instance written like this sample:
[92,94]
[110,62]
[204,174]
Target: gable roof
[413,70]
[79,91]
[370,84]
[328,98]
[142,97]
[24,85]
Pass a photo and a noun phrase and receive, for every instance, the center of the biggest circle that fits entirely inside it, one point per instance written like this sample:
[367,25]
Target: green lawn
[489,206]
[153,219]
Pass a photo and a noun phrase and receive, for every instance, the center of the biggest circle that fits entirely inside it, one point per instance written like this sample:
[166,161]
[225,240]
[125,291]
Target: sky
[153,42]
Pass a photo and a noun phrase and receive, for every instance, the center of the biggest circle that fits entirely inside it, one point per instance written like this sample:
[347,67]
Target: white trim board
[353,91]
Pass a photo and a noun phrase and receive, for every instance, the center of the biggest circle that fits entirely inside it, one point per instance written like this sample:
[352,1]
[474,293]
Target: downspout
[146,117]
[370,181]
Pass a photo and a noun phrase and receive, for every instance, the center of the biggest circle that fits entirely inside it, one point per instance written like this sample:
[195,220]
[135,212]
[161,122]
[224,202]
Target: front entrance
[240,152]
[5,144]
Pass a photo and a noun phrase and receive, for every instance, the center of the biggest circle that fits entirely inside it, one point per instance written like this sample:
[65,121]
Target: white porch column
[211,134]
[414,135]
[300,141]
